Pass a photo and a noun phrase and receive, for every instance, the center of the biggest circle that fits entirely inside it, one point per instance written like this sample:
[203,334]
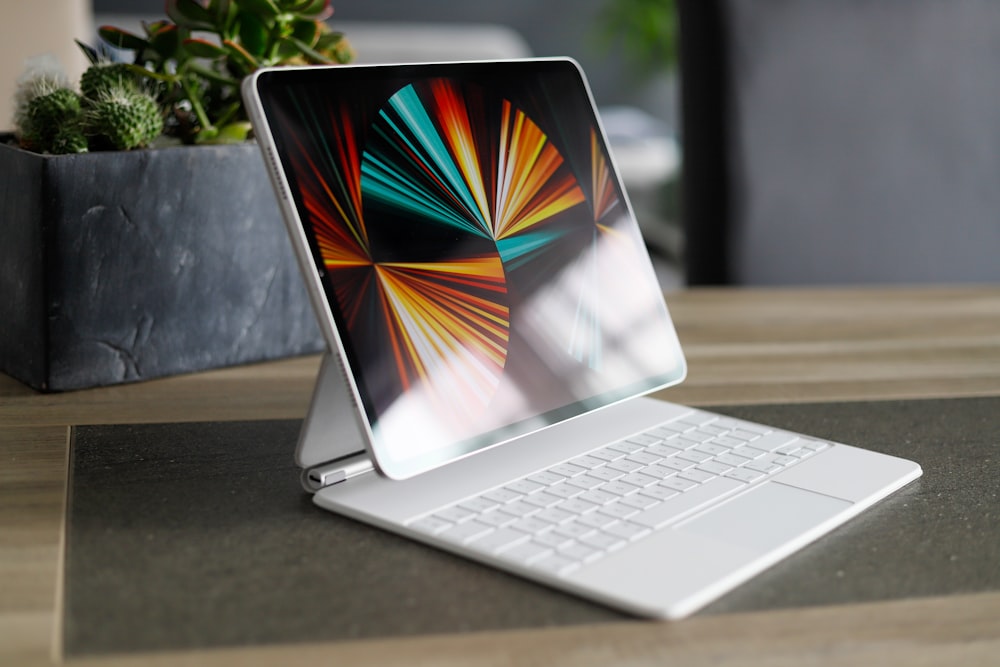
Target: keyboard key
[748,452]
[580,552]
[531,525]
[789,449]
[556,564]
[729,441]
[658,471]
[608,454]
[642,440]
[598,496]
[640,480]
[712,448]
[625,465]
[526,552]
[701,435]
[678,484]
[659,492]
[696,475]
[730,460]
[693,455]
[630,445]
[744,475]
[715,467]
[774,440]
[588,462]
[542,499]
[673,508]
[606,473]
[743,433]
[499,540]
[568,470]
[644,458]
[663,450]
[479,504]
[555,515]
[603,541]
[501,496]
[574,529]
[466,532]
[455,514]
[520,508]
[496,518]
[619,510]
[585,482]
[763,466]
[619,488]
[639,501]
[524,486]
[626,530]
[678,464]
[563,490]
[577,506]
[596,519]
[546,478]
[812,445]
[553,539]
[431,524]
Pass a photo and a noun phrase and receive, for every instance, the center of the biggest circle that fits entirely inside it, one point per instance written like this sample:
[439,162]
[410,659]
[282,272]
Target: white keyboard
[573,513]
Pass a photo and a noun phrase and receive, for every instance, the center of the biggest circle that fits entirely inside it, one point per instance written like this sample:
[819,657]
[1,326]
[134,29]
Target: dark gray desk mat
[198,535]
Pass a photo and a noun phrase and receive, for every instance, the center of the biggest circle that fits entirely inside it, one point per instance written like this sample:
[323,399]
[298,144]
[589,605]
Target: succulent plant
[53,118]
[205,48]
[183,80]
[124,115]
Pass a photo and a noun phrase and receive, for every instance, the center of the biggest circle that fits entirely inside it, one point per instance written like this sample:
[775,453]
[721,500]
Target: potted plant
[153,245]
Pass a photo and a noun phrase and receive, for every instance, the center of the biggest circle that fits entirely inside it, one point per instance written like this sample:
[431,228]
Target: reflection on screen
[485,273]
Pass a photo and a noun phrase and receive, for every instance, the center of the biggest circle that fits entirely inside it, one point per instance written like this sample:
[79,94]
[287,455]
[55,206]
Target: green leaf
[233,133]
[120,39]
[239,57]
[310,53]
[306,31]
[90,52]
[165,40]
[254,34]
[263,8]
[220,10]
[314,9]
[328,40]
[202,48]
[194,11]
[190,14]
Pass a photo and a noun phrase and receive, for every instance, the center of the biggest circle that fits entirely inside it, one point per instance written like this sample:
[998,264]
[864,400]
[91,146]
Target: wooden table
[743,346]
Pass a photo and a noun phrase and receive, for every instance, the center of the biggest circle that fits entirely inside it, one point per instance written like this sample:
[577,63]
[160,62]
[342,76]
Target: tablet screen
[484,271]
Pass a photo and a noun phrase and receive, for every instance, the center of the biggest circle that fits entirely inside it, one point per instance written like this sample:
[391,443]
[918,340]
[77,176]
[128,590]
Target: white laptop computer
[493,323]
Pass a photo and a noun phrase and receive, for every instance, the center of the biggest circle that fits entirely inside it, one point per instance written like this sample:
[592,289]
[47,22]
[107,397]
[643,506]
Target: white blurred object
[378,42]
[43,28]
[645,151]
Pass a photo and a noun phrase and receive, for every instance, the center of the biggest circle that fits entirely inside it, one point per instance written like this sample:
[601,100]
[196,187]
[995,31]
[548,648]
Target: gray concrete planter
[118,267]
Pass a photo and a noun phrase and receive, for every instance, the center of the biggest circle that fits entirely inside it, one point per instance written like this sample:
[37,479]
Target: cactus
[102,76]
[200,76]
[125,116]
[193,83]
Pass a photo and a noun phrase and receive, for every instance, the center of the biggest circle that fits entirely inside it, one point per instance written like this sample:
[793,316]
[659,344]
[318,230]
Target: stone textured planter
[118,267]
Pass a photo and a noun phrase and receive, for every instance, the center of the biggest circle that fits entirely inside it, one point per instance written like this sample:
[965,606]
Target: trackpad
[766,517]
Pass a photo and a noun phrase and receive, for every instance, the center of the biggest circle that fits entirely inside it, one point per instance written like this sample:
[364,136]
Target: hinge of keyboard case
[334,472]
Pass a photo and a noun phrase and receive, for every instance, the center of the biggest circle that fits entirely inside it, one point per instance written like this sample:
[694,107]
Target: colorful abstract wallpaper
[482,265]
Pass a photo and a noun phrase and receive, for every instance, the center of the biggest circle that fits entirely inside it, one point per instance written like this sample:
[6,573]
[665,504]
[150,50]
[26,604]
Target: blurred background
[625,46]
[850,142]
